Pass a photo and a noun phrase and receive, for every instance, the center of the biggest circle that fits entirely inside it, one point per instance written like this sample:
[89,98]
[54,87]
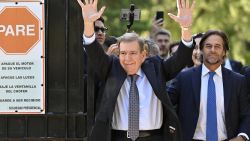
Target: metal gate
[69,104]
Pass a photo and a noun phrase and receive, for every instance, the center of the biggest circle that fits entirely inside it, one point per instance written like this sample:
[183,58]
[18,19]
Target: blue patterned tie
[133,115]
[211,128]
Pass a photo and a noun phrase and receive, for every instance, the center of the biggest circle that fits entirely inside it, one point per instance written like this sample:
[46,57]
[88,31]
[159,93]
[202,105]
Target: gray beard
[218,61]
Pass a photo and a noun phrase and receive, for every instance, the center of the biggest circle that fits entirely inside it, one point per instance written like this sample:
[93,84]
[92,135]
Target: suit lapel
[227,88]
[196,83]
[122,75]
[149,70]
[117,79]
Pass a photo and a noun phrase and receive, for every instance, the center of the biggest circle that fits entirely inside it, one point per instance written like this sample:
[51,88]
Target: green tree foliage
[231,16]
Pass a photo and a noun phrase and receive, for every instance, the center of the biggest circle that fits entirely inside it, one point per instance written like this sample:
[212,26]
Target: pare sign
[19,30]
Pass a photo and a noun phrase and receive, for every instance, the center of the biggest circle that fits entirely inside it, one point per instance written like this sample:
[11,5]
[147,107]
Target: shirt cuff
[88,40]
[244,134]
[188,44]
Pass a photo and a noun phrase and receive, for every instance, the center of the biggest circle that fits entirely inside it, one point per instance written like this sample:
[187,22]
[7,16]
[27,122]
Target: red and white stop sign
[19,30]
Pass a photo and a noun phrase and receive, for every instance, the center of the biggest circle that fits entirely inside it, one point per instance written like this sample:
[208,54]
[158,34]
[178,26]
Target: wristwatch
[244,138]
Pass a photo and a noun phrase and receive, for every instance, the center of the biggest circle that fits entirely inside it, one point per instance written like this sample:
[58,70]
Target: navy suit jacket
[236,66]
[246,72]
[110,71]
[186,94]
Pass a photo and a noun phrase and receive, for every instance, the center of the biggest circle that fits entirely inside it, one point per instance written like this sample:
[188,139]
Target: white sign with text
[22,58]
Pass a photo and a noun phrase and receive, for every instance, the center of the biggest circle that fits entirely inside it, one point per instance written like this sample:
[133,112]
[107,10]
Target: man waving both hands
[135,105]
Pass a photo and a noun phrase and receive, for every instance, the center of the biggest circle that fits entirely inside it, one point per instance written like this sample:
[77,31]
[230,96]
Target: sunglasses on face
[103,29]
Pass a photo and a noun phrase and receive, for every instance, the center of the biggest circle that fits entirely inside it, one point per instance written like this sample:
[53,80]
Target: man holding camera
[135,105]
[161,36]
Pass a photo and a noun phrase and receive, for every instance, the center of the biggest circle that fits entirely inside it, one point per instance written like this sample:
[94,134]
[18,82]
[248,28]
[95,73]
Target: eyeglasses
[103,29]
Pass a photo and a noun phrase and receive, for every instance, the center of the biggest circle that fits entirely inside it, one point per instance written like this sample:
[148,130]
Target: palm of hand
[89,10]
[184,17]
[90,13]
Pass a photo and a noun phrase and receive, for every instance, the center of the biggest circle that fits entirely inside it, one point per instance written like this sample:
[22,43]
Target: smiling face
[213,52]
[131,56]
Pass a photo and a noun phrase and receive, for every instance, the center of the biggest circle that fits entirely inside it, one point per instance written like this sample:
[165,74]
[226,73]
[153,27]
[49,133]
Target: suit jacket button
[171,129]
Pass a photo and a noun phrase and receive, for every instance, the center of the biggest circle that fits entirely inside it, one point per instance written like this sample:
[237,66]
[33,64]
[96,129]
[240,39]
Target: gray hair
[152,48]
[130,37]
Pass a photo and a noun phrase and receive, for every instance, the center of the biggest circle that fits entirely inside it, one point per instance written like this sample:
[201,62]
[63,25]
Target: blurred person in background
[197,55]
[173,48]
[233,65]
[246,72]
[151,48]
[162,38]
[110,46]
[100,30]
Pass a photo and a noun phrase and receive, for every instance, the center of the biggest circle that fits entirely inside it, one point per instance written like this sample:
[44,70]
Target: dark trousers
[202,140]
[149,138]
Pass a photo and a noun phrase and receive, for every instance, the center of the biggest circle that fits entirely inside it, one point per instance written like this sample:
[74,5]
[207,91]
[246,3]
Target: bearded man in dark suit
[212,102]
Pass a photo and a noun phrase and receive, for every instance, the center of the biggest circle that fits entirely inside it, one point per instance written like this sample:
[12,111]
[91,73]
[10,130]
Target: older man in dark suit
[135,105]
[211,100]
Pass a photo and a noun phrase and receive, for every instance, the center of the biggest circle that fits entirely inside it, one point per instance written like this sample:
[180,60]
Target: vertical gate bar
[6,126]
[26,126]
[46,4]
[67,64]
[90,99]
[7,122]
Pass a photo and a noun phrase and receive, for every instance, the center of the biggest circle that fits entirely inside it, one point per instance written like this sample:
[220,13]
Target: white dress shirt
[227,64]
[200,132]
[151,112]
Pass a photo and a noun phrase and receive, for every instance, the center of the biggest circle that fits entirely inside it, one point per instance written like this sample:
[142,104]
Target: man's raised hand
[89,10]
[184,16]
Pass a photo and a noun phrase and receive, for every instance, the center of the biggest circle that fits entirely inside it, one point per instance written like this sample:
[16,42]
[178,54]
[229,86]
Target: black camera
[124,16]
[130,15]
